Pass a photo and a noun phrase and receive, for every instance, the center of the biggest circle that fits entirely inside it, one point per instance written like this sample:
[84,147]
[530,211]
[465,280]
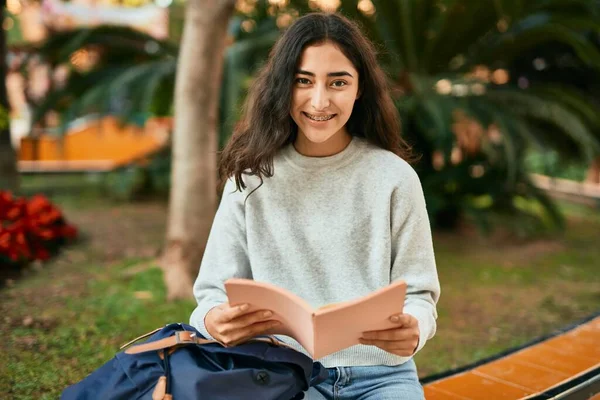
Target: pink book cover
[325,330]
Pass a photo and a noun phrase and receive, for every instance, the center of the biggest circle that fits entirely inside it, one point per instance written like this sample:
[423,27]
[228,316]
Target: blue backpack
[177,363]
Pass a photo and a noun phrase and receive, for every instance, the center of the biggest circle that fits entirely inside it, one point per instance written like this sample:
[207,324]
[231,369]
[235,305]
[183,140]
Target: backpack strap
[179,338]
[139,337]
[187,337]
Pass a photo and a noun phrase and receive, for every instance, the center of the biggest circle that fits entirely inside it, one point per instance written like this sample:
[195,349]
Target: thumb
[395,318]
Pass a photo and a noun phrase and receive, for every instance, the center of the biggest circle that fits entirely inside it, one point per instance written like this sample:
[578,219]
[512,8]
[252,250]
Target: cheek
[346,104]
[297,100]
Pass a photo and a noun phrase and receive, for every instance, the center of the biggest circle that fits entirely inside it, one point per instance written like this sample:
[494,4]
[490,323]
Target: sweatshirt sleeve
[413,257]
[225,256]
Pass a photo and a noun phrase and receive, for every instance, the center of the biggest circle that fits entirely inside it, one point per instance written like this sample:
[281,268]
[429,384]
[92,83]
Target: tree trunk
[9,178]
[593,174]
[193,196]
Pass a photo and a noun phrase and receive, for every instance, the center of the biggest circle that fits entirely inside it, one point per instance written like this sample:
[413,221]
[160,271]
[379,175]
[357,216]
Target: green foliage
[455,63]
[126,183]
[552,164]
[134,73]
[150,178]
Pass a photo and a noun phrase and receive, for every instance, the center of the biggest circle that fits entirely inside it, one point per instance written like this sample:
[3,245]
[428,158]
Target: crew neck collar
[307,162]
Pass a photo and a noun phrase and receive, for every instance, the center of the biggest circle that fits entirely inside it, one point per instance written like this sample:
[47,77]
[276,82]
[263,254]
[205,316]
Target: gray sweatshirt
[329,229]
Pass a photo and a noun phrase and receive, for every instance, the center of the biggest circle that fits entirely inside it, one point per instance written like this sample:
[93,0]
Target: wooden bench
[97,145]
[564,365]
[586,193]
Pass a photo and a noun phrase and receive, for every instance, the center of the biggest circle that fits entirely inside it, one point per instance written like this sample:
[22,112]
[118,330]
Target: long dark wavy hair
[266,125]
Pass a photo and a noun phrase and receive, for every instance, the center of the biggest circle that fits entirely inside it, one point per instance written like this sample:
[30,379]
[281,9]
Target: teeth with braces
[320,118]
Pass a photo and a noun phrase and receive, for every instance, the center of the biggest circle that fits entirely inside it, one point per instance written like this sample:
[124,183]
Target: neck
[331,146]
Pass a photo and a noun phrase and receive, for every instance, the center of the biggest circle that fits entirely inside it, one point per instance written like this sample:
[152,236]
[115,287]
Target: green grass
[62,321]
[498,295]
[79,332]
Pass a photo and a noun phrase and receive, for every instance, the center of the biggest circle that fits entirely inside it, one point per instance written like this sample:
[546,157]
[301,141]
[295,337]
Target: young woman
[319,200]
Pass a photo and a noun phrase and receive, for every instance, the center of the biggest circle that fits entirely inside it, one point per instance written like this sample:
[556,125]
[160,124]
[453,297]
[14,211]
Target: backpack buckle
[184,337]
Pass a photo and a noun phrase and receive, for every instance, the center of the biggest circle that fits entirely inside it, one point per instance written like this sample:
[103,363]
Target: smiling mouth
[319,118]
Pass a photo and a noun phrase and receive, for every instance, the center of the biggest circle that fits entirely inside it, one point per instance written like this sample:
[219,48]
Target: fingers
[242,335]
[402,340]
[404,319]
[390,334]
[407,320]
[385,344]
[226,312]
[234,325]
[405,324]
[245,321]
[401,348]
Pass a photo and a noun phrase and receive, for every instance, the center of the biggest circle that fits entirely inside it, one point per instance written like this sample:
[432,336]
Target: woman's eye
[302,81]
[339,83]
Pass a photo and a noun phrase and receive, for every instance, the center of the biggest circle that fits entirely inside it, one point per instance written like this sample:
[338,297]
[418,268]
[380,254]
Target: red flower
[4,239]
[30,229]
[37,204]
[68,231]
[47,217]
[16,210]
[6,202]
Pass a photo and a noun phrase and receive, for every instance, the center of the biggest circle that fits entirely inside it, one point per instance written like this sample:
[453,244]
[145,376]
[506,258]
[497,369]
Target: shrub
[30,229]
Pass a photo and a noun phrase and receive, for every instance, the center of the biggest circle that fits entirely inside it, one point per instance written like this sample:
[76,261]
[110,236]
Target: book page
[340,326]
[295,314]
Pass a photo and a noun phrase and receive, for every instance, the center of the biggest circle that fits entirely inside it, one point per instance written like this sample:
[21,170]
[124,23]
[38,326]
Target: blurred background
[500,98]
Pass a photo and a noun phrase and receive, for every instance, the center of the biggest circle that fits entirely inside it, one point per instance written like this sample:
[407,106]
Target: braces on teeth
[320,118]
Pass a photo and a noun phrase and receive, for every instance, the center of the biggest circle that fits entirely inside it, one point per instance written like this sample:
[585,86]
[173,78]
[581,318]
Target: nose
[320,99]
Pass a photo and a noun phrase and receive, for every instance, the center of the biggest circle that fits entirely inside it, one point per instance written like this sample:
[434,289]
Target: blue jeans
[370,383]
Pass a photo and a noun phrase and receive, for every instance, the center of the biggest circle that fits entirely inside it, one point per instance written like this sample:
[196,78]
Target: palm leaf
[580,7]
[408,37]
[164,70]
[390,33]
[60,99]
[548,205]
[125,43]
[549,111]
[131,84]
[424,12]
[575,100]
[434,115]
[510,134]
[528,34]
[454,32]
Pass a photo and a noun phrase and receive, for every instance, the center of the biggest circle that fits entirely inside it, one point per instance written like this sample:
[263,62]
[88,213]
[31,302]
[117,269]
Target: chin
[318,137]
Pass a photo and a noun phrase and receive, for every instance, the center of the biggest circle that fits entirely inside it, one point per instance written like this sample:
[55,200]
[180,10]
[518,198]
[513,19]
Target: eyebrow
[339,73]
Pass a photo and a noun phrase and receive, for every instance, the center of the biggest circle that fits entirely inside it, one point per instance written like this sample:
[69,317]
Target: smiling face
[323,96]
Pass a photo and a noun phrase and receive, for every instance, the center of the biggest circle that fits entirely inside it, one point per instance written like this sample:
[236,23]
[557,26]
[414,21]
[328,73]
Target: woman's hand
[402,341]
[235,325]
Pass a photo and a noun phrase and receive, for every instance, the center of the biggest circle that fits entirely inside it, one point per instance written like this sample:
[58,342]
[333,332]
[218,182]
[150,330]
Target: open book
[325,330]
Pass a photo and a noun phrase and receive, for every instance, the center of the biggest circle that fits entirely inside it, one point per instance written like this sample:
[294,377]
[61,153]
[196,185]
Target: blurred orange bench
[565,365]
[96,146]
